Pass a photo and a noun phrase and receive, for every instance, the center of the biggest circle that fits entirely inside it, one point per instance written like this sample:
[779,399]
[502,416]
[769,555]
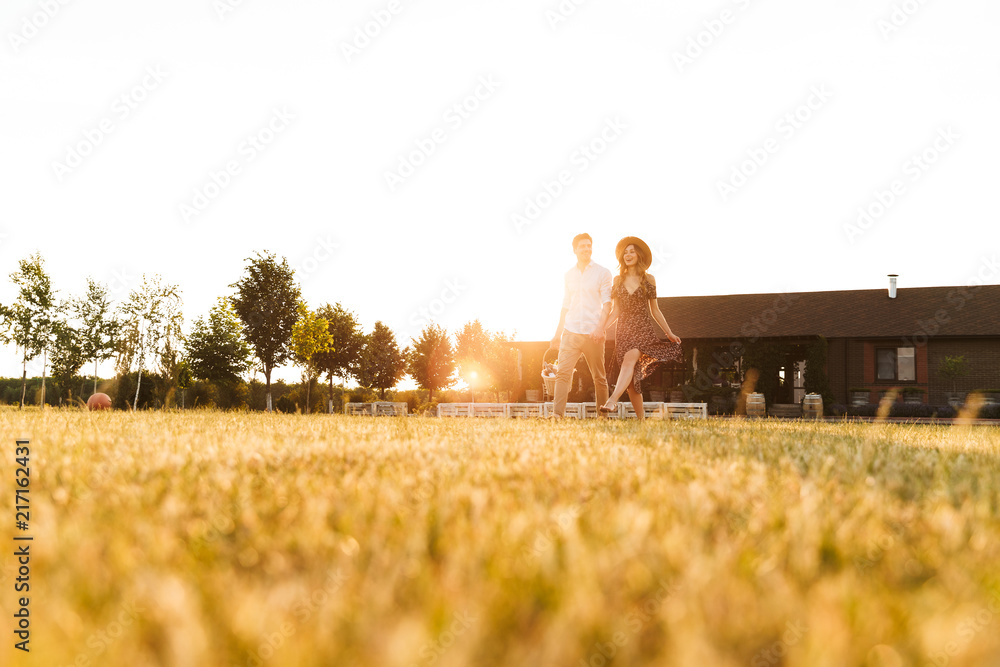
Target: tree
[503,363]
[953,368]
[28,321]
[487,360]
[432,361]
[67,354]
[266,301]
[343,359]
[310,337]
[383,364]
[184,378]
[215,350]
[150,328]
[99,329]
[472,354]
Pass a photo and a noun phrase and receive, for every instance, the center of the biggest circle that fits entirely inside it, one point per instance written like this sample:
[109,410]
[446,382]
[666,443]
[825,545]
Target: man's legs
[593,352]
[569,353]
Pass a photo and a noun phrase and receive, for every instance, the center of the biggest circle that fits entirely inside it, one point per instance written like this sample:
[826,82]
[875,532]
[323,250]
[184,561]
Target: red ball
[99,402]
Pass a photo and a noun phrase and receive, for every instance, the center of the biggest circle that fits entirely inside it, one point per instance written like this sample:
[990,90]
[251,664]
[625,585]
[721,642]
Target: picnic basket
[549,381]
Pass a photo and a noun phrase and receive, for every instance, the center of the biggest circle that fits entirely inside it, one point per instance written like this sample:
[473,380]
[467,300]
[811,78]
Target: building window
[896,364]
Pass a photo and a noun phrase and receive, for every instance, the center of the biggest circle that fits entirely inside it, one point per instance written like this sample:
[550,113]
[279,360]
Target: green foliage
[383,364]
[486,360]
[67,356]
[215,350]
[431,363]
[310,336]
[343,359]
[953,368]
[266,301]
[98,327]
[28,322]
[150,328]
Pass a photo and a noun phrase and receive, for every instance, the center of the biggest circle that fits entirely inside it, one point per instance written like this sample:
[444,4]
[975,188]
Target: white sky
[678,130]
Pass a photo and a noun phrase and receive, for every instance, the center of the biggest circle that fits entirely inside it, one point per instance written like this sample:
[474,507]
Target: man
[585,310]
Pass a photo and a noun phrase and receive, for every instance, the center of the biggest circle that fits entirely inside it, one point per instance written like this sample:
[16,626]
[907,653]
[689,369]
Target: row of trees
[262,325]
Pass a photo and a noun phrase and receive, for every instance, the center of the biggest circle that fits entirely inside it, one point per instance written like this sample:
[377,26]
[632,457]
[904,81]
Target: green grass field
[206,538]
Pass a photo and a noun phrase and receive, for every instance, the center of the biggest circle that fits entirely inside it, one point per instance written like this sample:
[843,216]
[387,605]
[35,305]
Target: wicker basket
[550,382]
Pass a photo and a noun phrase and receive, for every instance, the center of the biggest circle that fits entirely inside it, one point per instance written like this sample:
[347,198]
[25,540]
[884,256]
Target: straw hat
[640,245]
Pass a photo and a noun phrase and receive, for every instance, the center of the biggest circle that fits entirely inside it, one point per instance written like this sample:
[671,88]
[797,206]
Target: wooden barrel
[812,406]
[755,405]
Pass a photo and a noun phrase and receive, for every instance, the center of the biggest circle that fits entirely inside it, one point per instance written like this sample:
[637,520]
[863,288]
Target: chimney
[892,285]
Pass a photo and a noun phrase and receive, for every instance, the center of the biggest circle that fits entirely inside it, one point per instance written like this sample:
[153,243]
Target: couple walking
[587,311]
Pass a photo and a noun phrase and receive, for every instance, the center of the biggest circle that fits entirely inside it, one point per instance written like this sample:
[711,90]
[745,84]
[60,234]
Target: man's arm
[606,285]
[559,329]
[599,333]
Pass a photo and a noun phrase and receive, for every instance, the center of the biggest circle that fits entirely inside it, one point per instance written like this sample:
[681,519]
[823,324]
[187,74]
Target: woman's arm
[654,310]
[613,315]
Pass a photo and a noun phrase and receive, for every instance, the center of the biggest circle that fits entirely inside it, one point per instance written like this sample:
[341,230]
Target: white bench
[489,410]
[526,409]
[454,410]
[685,410]
[652,409]
[378,408]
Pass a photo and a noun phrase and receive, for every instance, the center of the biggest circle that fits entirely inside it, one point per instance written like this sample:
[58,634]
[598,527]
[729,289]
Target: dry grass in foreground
[206,538]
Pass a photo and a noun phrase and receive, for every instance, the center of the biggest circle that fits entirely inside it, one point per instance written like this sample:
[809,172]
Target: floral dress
[636,330]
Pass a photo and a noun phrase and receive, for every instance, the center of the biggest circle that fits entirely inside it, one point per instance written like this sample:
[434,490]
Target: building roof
[916,311]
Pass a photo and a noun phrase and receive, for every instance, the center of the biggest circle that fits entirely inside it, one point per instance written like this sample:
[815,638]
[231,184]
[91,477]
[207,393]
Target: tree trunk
[138,382]
[308,389]
[329,396]
[43,379]
[95,375]
[24,382]
[267,380]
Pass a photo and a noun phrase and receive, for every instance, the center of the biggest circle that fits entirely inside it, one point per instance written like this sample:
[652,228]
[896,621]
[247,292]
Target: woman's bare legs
[624,377]
[636,398]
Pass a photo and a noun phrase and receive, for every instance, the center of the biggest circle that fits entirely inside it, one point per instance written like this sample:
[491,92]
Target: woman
[638,348]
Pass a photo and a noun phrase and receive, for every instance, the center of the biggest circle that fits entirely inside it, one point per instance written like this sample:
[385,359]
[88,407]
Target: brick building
[876,340]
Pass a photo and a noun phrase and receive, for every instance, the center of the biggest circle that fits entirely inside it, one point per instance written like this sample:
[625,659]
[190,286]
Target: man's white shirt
[586,293]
